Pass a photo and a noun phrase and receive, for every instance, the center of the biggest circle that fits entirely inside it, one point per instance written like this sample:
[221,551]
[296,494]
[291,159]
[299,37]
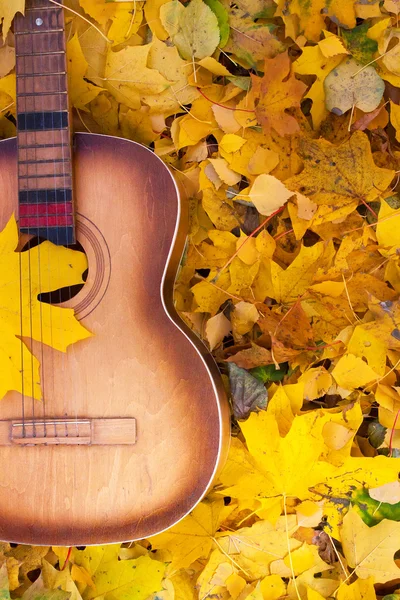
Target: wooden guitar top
[143,394]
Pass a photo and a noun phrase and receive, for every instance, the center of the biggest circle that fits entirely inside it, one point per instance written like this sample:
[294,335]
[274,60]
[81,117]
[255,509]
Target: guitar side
[142,363]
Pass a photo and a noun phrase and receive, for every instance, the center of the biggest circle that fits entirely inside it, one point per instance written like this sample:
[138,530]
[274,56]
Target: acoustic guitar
[133,424]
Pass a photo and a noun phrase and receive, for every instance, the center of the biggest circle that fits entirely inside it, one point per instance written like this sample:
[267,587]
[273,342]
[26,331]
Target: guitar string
[49,286]
[42,369]
[64,179]
[20,277]
[69,150]
[30,309]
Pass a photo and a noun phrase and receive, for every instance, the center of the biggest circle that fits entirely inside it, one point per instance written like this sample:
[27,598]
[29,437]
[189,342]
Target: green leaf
[4,586]
[37,591]
[193,29]
[393,201]
[248,393]
[358,44]
[371,511]
[269,373]
[244,83]
[119,579]
[376,434]
[223,20]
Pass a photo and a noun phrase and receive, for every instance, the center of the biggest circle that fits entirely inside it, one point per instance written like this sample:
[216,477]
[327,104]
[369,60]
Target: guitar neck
[43,124]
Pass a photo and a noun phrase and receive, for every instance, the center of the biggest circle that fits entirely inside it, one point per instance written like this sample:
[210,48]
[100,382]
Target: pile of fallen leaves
[281,120]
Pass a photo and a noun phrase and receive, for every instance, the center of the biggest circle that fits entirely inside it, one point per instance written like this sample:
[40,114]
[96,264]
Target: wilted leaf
[248,393]
[350,84]
[360,46]
[341,173]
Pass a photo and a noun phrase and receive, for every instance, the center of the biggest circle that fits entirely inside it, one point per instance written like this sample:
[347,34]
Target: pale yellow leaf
[268,194]
[352,372]
[388,492]
[217,328]
[231,142]
[370,550]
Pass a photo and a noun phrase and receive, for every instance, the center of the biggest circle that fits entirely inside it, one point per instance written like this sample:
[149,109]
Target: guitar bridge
[71,432]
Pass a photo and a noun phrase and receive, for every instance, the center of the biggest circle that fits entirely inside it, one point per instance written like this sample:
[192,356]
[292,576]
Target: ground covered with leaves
[281,120]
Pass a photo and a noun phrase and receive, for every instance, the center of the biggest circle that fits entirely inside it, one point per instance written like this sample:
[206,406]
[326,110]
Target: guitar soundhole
[85,297]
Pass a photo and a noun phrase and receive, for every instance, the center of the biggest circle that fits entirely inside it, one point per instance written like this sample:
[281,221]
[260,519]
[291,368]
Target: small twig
[289,550]
[392,433]
[67,558]
[372,61]
[281,235]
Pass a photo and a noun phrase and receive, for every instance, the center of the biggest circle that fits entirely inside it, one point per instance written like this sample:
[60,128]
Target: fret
[44,74]
[38,31]
[42,53]
[23,94]
[46,175]
[43,146]
[39,162]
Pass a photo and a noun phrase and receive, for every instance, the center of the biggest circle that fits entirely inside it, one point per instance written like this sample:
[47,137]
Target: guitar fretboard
[44,142]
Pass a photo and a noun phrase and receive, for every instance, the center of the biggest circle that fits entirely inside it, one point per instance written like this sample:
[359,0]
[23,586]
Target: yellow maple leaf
[81,91]
[7,12]
[339,174]
[127,75]
[291,283]
[116,579]
[172,67]
[256,547]
[370,550]
[362,589]
[193,537]
[23,315]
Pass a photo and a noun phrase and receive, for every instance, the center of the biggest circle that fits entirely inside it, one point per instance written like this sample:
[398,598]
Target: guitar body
[142,363]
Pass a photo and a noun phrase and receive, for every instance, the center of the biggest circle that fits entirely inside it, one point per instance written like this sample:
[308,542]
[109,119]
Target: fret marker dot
[39,22]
